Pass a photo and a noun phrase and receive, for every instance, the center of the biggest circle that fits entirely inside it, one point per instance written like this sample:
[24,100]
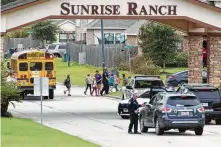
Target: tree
[158,41]
[9,91]
[22,33]
[45,31]
[4,2]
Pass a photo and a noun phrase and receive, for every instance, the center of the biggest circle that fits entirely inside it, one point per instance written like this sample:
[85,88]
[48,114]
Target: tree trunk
[164,66]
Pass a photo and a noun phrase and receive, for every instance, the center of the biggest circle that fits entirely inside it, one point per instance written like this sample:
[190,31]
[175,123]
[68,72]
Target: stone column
[195,60]
[214,60]
[186,44]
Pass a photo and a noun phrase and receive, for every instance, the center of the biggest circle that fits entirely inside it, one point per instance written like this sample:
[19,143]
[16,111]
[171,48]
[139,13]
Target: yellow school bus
[26,65]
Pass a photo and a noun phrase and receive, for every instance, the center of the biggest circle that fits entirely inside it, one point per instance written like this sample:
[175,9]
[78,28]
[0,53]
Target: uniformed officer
[134,110]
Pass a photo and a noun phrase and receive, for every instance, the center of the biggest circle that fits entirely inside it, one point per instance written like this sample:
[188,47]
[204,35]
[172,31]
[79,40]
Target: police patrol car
[144,97]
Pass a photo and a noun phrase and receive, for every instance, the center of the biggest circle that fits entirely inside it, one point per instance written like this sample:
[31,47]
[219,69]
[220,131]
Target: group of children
[94,85]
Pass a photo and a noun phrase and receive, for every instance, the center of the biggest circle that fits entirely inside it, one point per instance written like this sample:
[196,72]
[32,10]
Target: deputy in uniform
[134,110]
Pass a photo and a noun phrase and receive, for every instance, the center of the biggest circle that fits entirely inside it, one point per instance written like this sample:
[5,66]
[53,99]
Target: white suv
[58,49]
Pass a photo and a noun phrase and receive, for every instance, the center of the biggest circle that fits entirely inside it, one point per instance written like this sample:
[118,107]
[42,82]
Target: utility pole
[68,51]
[102,43]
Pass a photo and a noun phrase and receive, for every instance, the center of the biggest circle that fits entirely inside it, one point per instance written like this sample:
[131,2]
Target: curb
[115,97]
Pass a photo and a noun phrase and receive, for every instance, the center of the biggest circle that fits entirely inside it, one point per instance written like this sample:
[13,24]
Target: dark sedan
[180,78]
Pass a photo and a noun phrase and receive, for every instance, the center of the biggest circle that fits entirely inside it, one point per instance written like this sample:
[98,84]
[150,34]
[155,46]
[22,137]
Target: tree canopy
[158,41]
[45,30]
[4,2]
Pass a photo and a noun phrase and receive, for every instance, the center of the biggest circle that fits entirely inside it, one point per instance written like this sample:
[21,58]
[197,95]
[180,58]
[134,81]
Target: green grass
[26,133]
[77,72]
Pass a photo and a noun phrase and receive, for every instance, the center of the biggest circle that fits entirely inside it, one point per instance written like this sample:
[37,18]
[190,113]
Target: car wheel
[199,131]
[159,131]
[182,130]
[207,121]
[218,121]
[125,117]
[143,129]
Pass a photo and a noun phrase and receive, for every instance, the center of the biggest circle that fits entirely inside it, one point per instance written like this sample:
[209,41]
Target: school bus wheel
[51,93]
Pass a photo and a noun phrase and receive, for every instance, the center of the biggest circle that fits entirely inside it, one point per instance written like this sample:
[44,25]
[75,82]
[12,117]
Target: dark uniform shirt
[105,76]
[133,106]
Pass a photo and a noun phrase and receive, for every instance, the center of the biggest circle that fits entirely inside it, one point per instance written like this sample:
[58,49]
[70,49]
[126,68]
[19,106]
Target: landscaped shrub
[144,65]
[9,92]
[179,60]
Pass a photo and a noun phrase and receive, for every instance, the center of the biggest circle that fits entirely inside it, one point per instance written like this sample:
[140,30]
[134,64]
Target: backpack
[65,82]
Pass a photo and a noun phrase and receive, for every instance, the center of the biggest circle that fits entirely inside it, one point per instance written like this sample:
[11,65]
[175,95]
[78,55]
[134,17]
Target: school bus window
[23,66]
[36,66]
[49,66]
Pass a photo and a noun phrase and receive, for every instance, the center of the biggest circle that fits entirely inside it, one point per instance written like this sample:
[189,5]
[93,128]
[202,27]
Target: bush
[179,60]
[9,92]
[140,65]
[144,65]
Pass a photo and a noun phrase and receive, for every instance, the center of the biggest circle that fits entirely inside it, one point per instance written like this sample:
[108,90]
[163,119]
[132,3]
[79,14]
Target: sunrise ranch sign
[132,9]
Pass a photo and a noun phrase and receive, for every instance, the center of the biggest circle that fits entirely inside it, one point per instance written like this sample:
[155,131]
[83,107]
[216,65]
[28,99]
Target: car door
[149,111]
[153,109]
[129,90]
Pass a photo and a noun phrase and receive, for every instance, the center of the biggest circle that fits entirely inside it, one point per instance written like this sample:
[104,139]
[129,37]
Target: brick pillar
[214,60]
[195,60]
[186,44]
[1,47]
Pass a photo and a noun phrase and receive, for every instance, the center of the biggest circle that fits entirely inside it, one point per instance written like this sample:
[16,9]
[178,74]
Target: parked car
[58,49]
[142,98]
[141,84]
[180,78]
[167,111]
[210,98]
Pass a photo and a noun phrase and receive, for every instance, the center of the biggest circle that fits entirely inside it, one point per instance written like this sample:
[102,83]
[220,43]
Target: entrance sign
[132,7]
[41,86]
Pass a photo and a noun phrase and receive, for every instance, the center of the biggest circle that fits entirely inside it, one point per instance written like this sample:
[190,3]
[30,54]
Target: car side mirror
[129,87]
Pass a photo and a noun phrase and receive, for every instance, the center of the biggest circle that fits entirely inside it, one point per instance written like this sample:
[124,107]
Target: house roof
[134,29]
[63,21]
[15,4]
[110,24]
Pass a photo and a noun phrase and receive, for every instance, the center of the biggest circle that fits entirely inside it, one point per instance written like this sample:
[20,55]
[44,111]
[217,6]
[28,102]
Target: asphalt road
[96,119]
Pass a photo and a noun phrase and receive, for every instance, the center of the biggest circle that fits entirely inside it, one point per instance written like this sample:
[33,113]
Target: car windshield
[207,94]
[148,83]
[183,101]
[51,47]
[62,46]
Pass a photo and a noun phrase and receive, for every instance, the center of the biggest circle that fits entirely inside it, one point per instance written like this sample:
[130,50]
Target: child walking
[88,83]
[94,88]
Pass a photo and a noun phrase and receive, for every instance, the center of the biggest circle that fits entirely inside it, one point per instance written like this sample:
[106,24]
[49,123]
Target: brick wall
[214,60]
[195,59]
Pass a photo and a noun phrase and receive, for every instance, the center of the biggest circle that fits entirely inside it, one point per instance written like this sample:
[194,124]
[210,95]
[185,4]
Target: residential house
[69,30]
[216,3]
[113,31]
